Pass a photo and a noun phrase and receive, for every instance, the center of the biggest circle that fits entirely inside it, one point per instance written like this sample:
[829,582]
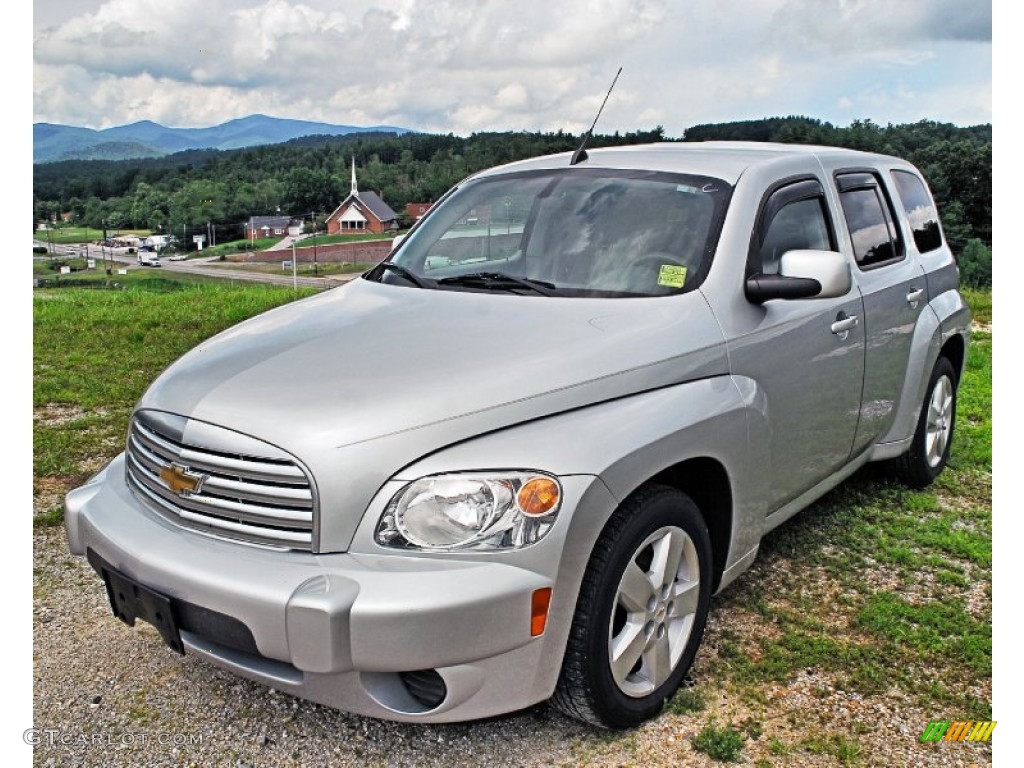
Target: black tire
[655,522]
[924,460]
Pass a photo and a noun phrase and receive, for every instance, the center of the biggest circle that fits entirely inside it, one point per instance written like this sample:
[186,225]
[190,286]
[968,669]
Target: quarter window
[869,217]
[920,210]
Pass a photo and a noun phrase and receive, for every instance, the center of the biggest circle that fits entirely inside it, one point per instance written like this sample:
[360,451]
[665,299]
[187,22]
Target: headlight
[478,510]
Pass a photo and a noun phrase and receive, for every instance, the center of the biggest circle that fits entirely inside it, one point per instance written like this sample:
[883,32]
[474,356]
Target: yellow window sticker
[672,275]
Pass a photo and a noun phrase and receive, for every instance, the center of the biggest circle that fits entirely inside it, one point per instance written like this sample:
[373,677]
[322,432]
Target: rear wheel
[641,611]
[929,450]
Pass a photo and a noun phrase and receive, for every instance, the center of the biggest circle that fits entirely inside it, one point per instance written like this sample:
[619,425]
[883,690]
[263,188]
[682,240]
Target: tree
[976,265]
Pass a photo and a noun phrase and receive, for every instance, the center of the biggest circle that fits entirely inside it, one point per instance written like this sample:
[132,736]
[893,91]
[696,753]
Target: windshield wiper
[499,280]
[399,269]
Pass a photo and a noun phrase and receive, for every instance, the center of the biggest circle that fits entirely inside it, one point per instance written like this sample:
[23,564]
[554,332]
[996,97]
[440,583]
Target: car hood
[362,380]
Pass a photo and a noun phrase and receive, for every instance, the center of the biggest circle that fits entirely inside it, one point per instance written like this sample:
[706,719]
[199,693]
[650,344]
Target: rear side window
[920,210]
[876,241]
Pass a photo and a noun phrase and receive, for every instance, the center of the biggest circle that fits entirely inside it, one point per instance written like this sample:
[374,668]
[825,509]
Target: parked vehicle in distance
[177,257]
[514,461]
[147,259]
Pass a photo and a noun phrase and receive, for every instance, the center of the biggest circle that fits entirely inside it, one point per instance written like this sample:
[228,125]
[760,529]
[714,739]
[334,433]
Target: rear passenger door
[894,291]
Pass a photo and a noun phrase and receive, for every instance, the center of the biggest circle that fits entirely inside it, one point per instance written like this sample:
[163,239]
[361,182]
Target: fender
[619,444]
[947,315]
[624,442]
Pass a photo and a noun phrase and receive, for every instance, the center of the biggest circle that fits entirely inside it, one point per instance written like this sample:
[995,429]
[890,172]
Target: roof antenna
[581,154]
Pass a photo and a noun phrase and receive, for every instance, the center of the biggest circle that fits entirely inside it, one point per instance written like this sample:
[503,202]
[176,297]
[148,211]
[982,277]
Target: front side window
[869,218]
[793,219]
[920,210]
[568,232]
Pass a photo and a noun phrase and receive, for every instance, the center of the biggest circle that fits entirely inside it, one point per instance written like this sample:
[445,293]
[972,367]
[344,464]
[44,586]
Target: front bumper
[341,629]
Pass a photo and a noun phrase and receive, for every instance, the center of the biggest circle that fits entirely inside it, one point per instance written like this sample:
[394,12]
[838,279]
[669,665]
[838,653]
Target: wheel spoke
[626,649]
[635,589]
[668,553]
[685,595]
[658,661]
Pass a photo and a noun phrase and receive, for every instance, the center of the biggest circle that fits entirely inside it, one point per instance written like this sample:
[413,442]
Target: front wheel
[929,450]
[641,611]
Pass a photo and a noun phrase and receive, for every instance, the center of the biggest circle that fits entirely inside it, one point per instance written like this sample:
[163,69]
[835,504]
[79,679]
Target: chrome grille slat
[255,469]
[214,506]
[278,496]
[245,532]
[274,495]
[260,499]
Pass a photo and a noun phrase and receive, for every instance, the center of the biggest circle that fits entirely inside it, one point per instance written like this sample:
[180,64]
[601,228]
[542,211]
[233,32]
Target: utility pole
[295,279]
[316,271]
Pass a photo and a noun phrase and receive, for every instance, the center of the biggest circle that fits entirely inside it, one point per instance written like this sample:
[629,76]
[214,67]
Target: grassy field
[864,617]
[262,243]
[96,350]
[302,270]
[323,239]
[70,235]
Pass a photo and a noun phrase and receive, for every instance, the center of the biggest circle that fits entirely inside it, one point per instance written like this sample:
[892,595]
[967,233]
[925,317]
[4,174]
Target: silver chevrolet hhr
[513,461]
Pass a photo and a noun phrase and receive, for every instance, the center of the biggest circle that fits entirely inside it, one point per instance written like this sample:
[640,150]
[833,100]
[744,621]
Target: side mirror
[829,268]
[396,241]
[803,275]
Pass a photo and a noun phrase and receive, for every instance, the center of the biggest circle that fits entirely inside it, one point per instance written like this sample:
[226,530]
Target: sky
[479,65]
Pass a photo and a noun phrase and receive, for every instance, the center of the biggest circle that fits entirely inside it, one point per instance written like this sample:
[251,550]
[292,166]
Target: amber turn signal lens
[538,496]
[539,611]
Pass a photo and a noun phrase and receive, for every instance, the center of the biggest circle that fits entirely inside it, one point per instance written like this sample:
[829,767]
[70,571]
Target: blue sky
[439,65]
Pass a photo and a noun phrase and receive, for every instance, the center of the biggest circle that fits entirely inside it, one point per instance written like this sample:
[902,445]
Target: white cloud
[448,65]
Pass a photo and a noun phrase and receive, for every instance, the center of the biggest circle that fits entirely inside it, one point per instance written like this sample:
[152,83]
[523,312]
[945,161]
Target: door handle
[915,296]
[844,324]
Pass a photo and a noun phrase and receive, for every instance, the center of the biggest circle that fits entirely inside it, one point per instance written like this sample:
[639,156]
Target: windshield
[566,232]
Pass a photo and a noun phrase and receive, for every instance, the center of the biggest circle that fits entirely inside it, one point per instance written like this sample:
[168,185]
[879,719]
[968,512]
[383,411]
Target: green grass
[68,235]
[95,351]
[980,303]
[687,700]
[302,269]
[71,235]
[721,743]
[322,239]
[846,751]
[879,587]
[237,246]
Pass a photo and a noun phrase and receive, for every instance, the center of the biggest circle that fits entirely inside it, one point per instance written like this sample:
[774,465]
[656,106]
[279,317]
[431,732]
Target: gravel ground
[107,695]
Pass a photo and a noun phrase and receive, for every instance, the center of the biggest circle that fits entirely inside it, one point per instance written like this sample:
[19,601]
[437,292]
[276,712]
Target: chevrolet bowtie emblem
[180,480]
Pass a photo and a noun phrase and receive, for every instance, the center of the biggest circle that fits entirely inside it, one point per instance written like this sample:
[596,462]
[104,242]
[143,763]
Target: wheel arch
[955,349]
[706,481]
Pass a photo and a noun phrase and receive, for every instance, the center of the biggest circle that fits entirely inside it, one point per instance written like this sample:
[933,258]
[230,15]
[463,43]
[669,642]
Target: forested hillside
[309,176]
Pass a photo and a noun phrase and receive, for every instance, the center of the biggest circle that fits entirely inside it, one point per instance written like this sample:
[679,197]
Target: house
[415,211]
[361,213]
[272,226]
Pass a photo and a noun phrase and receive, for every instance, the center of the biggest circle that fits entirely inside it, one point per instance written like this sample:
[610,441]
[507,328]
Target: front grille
[249,490]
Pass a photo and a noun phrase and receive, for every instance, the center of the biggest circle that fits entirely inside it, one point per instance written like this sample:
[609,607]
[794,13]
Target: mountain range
[52,142]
